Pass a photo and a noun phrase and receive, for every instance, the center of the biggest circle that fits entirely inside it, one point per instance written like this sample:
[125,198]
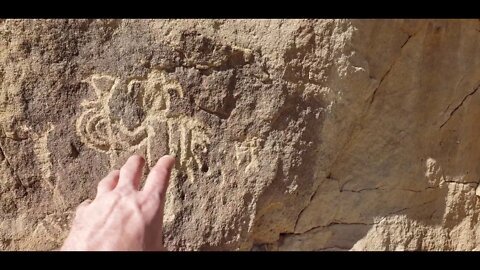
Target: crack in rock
[389,69]
[460,105]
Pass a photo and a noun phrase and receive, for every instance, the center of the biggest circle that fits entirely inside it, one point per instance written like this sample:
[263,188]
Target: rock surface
[289,134]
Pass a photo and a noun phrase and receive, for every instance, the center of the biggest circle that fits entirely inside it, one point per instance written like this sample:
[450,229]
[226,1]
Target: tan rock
[290,134]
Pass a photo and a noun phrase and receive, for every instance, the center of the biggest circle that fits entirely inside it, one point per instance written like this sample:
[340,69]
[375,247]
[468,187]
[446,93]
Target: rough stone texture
[289,134]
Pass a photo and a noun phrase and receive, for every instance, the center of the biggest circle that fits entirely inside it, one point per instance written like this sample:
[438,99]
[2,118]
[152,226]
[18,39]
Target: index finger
[158,178]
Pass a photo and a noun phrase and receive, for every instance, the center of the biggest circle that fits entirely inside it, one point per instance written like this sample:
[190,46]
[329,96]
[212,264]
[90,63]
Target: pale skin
[123,217]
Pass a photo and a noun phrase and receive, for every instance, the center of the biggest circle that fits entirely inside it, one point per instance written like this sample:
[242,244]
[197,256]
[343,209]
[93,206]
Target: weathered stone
[289,134]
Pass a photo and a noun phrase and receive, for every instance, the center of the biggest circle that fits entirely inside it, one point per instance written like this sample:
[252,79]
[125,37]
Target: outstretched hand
[122,217]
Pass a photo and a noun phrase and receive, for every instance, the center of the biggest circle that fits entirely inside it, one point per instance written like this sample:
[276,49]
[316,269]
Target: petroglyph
[188,141]
[101,128]
[43,156]
[44,162]
[246,152]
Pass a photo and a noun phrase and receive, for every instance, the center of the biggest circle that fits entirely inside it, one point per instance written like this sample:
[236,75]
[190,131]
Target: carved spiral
[94,129]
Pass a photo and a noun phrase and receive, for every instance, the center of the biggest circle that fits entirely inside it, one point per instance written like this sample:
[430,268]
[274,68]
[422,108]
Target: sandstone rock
[289,134]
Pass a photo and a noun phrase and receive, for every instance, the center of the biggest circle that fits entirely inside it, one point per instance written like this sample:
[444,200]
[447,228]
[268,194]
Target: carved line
[40,148]
[247,152]
[97,131]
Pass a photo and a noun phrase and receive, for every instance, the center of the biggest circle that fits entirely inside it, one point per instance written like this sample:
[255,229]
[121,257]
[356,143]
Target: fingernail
[171,157]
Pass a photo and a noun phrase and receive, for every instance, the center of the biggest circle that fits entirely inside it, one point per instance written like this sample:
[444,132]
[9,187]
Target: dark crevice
[74,152]
[412,190]
[407,208]
[455,90]
[396,189]
[360,223]
[390,68]
[217,114]
[405,43]
[17,139]
[353,133]
[204,168]
[332,224]
[306,206]
[462,183]
[444,111]
[460,105]
[360,190]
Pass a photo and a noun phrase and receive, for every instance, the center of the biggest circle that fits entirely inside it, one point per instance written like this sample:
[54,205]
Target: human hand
[122,217]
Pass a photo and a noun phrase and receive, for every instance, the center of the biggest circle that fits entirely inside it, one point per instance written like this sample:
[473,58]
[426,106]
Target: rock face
[289,134]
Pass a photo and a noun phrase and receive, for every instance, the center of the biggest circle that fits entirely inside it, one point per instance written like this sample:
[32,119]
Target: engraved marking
[44,162]
[188,138]
[246,152]
[40,148]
